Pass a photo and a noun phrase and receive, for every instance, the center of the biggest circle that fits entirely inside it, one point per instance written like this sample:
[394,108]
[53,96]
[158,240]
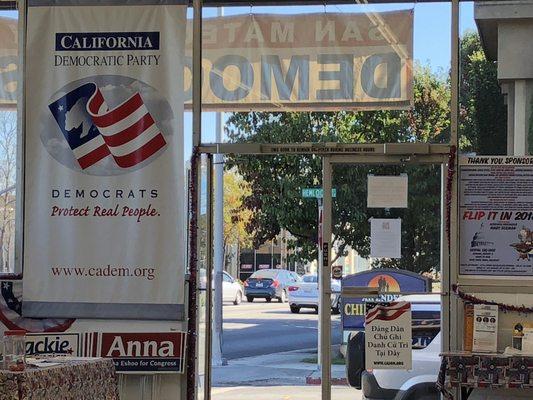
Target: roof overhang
[488,14]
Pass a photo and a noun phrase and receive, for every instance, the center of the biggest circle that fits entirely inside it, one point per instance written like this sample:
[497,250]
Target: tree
[276,181]
[483,111]
[236,217]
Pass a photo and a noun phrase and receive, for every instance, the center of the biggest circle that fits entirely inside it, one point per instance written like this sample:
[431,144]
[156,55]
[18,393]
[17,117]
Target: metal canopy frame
[334,153]
[328,163]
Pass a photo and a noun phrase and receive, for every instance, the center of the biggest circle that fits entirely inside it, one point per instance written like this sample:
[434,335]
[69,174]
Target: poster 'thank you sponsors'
[496,216]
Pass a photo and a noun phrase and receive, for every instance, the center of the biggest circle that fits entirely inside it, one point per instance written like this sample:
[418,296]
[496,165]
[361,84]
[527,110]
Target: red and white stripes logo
[129,131]
[388,312]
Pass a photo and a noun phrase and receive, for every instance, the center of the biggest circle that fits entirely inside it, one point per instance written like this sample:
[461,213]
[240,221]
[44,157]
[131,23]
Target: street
[266,347]
[259,328]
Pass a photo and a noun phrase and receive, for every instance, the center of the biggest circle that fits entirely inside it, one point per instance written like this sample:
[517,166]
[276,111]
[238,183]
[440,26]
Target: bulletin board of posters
[496,216]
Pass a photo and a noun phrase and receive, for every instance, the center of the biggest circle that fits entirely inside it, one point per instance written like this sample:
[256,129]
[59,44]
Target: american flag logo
[388,312]
[11,312]
[127,133]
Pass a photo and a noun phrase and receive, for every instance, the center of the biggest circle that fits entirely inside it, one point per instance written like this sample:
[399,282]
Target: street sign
[336,272]
[316,193]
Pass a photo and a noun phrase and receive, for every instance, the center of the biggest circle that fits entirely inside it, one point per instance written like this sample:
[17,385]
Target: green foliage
[275,182]
[483,113]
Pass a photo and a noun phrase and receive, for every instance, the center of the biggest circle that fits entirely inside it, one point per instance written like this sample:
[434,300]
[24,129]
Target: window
[310,279]
[266,273]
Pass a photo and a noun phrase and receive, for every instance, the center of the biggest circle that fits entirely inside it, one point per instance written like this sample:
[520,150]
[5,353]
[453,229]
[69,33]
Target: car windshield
[310,279]
[266,273]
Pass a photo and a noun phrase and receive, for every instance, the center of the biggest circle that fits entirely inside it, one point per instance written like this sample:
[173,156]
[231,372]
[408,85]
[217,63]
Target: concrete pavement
[256,336]
[285,368]
[283,393]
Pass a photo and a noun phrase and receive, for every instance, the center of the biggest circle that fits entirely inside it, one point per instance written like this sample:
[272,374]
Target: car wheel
[268,299]
[295,309]
[250,299]
[238,298]
[355,359]
[283,297]
[422,391]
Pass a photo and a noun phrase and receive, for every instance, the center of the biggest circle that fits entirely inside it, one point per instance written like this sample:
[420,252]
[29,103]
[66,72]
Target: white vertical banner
[104,181]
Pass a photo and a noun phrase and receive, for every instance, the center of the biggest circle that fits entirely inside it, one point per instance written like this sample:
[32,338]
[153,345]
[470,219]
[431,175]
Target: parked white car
[418,383]
[304,294]
[232,290]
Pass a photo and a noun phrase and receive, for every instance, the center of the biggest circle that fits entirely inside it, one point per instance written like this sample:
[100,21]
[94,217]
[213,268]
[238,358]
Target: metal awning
[12,4]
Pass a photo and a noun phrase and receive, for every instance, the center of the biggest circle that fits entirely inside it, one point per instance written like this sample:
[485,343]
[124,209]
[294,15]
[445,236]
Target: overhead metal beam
[244,3]
[330,148]
[12,4]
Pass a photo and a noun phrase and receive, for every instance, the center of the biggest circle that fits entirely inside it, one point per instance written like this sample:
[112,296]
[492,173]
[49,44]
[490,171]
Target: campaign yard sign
[104,205]
[139,351]
[58,344]
[388,335]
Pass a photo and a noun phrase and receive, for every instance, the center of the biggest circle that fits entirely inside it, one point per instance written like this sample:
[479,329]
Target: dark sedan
[269,284]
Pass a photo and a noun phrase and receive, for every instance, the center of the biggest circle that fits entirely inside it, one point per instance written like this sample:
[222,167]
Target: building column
[522,114]
[508,92]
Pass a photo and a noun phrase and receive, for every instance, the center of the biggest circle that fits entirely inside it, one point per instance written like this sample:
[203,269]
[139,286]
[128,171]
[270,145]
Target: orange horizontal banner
[359,61]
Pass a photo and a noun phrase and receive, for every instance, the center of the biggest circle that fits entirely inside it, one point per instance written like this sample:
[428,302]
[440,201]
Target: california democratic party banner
[104,186]
[324,61]
[496,216]
[8,61]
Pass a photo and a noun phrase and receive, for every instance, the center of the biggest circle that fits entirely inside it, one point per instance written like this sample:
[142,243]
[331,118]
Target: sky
[431,39]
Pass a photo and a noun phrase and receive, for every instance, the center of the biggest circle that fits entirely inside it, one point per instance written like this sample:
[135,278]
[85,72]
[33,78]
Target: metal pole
[218,241]
[454,139]
[192,351]
[197,74]
[444,262]
[325,286]
[193,287]
[320,236]
[272,253]
[209,277]
[454,131]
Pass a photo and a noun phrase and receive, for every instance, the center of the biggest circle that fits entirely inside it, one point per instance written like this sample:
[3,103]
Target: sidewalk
[279,369]
[283,393]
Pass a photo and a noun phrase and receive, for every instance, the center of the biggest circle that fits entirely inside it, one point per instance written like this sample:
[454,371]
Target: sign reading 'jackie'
[103,157]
